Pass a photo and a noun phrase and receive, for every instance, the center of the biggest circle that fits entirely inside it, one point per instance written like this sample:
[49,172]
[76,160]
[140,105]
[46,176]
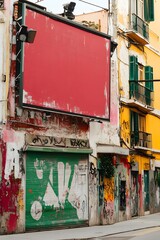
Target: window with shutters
[144,9]
[140,82]
[139,136]
[142,12]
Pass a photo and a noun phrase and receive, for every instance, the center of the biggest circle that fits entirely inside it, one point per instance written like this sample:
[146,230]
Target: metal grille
[141,139]
[141,93]
[140,26]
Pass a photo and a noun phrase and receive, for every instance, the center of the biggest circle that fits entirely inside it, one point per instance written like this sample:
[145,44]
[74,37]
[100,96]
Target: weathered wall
[104,133]
[13,183]
[96,20]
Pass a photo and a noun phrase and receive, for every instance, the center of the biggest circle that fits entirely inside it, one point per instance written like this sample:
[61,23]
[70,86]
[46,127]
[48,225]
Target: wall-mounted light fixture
[68,10]
[26,35]
[113,47]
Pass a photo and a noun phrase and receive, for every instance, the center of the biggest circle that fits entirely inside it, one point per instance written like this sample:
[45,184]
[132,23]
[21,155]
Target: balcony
[139,31]
[141,94]
[141,139]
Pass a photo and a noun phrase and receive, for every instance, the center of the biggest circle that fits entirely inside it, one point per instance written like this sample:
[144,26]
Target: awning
[60,149]
[103,148]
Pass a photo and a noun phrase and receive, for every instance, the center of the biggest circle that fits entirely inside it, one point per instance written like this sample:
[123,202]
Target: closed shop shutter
[56,189]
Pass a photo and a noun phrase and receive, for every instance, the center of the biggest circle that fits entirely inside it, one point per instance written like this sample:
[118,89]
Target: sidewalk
[147,221]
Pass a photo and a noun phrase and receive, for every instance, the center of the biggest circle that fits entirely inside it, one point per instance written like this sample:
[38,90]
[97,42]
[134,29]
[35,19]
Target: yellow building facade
[139,84]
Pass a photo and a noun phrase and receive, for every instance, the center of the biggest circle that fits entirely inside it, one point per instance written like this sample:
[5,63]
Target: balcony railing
[141,139]
[140,26]
[141,93]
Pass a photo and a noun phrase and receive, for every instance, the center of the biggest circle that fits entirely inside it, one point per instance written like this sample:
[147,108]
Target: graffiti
[93,190]
[14,162]
[79,143]
[9,192]
[42,140]
[101,190]
[134,194]
[92,177]
[93,170]
[122,194]
[21,163]
[108,211]
[55,141]
[152,195]
[91,24]
[109,189]
[62,188]
[125,134]
[108,205]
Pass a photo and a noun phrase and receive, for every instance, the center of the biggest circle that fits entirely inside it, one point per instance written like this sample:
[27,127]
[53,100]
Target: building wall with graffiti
[50,173]
[138,124]
[47,176]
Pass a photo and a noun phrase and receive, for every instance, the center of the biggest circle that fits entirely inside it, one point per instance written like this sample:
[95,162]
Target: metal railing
[141,93]
[140,26]
[141,139]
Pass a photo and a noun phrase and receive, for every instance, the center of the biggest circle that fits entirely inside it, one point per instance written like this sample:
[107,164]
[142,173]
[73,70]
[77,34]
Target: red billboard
[67,68]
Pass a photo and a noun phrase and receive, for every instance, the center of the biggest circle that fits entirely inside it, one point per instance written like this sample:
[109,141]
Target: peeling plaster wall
[21,122]
[104,133]
[5,40]
[12,189]
[13,160]
[107,132]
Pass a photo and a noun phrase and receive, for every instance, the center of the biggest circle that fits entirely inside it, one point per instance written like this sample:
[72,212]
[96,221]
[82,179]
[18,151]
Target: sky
[56,6]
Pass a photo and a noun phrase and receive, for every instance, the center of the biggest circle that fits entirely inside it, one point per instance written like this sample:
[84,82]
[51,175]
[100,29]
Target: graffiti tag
[50,141]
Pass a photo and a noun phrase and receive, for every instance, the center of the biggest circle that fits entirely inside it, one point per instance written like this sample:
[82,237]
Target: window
[144,9]
[141,91]
[139,136]
[138,126]
[140,10]
[142,123]
[141,72]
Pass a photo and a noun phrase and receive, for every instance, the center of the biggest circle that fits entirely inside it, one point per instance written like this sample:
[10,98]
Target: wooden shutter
[133,75]
[149,76]
[149,10]
[135,127]
[133,68]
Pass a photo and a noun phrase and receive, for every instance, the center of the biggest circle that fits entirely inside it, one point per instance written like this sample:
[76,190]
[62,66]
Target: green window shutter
[134,127]
[133,75]
[133,68]
[149,76]
[149,10]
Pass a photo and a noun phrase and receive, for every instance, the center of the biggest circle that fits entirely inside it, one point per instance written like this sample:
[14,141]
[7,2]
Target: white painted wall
[5,50]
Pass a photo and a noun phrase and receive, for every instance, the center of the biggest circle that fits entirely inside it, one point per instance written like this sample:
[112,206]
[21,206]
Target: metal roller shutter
[56,189]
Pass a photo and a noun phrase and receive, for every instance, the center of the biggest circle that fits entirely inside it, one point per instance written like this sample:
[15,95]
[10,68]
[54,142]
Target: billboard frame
[27,5]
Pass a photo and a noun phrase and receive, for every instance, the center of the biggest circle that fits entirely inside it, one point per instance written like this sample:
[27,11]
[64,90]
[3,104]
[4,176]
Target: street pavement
[148,221]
